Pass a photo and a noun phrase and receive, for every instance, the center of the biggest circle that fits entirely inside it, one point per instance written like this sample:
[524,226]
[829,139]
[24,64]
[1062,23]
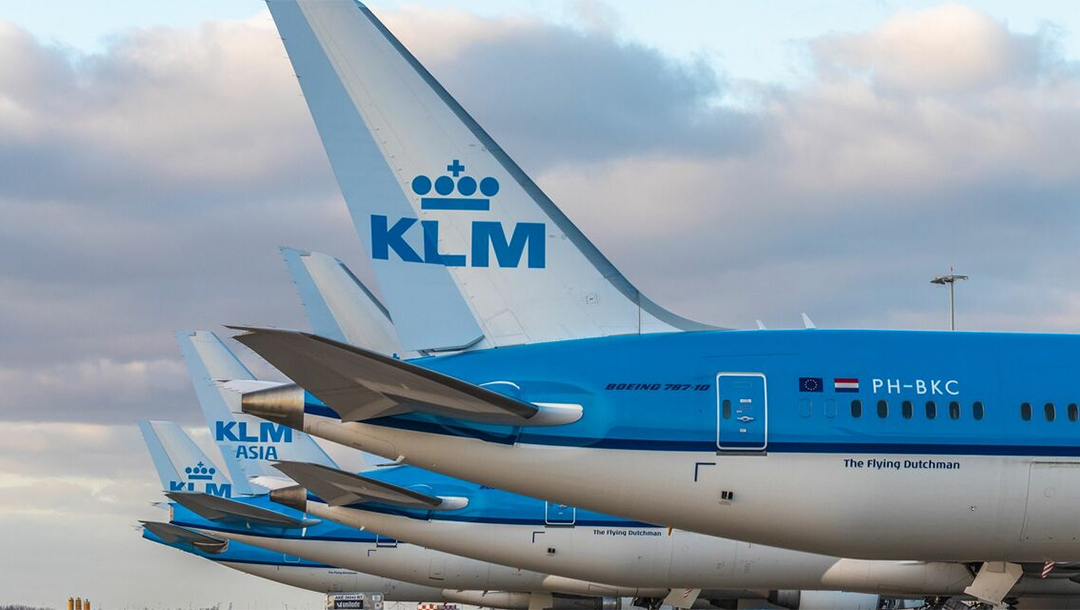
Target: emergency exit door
[741,412]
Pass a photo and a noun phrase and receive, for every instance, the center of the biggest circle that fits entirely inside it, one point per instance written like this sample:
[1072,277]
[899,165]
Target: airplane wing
[172,534]
[340,488]
[359,384]
[223,509]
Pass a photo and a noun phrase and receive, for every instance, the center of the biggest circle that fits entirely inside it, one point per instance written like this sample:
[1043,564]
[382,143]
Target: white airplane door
[742,419]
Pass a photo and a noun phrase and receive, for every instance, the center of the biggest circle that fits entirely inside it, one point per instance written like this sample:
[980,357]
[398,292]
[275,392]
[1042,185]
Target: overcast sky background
[737,162]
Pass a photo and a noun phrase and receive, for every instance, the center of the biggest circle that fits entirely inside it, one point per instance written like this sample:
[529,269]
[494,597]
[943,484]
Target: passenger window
[954,410]
[905,409]
[1025,411]
[1048,410]
[856,408]
[727,409]
[931,409]
[977,410]
[830,408]
[806,408]
[882,409]
[1074,412]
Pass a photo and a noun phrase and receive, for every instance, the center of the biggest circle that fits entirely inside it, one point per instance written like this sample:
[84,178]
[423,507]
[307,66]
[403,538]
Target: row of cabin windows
[907,409]
[977,410]
[1050,411]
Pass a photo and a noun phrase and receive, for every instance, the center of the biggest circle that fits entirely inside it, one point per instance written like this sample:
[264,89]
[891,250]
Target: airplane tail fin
[432,193]
[338,304]
[247,444]
[179,462]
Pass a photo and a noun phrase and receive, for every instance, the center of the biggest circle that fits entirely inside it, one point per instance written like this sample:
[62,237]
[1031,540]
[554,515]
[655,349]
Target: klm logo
[198,473]
[237,432]
[250,446]
[460,193]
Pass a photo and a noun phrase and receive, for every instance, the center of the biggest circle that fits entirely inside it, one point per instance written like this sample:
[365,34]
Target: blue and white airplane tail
[339,305]
[248,444]
[468,251]
[179,462]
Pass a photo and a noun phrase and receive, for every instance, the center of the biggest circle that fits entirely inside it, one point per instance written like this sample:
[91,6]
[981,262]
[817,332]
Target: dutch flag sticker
[846,384]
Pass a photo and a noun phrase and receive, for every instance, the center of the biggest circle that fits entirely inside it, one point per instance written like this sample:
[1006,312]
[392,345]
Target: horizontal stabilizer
[359,384]
[173,534]
[223,509]
[340,488]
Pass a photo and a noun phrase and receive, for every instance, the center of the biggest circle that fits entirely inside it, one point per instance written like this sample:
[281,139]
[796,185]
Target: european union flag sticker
[810,384]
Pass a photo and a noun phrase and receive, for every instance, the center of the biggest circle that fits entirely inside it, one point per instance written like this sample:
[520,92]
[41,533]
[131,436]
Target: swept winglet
[339,488]
[222,509]
[359,384]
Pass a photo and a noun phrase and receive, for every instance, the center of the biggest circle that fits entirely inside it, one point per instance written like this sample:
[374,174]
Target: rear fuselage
[870,444]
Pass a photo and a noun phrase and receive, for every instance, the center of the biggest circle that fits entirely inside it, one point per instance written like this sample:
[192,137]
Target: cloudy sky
[737,161]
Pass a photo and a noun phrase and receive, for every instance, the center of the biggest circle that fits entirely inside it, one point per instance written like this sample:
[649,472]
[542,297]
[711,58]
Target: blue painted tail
[248,444]
[179,462]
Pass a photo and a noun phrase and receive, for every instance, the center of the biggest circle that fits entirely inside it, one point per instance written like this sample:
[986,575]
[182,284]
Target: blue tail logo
[202,472]
[456,192]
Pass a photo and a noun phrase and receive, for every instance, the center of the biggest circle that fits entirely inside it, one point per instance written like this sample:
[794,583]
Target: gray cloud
[865,185]
[557,96]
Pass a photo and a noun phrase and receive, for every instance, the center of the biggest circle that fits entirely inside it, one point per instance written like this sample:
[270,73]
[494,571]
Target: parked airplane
[288,570]
[867,444]
[183,468]
[506,528]
[253,520]
[259,522]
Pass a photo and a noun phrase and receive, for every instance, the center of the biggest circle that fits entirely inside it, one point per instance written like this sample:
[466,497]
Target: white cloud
[942,49]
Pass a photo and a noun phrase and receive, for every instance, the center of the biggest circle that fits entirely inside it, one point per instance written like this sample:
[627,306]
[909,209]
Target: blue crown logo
[457,192]
[200,472]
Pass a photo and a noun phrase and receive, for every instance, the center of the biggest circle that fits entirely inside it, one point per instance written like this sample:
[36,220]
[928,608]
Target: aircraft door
[741,412]
[437,568]
[559,514]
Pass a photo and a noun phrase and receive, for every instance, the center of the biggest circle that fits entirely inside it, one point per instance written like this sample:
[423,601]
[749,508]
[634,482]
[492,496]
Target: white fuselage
[809,502]
[336,580]
[418,565]
[655,557]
